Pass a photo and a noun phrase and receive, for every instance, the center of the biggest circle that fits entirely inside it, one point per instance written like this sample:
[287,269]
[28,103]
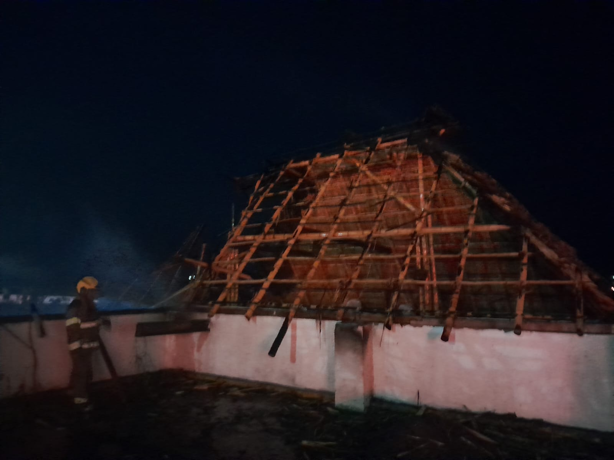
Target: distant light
[612,288]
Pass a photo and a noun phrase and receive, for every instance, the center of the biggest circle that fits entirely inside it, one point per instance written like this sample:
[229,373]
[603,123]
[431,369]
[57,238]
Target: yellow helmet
[89,282]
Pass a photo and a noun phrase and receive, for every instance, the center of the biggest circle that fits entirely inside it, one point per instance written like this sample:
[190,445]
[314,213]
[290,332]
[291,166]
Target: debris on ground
[168,416]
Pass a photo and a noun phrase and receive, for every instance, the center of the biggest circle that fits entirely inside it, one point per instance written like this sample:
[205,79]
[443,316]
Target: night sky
[123,122]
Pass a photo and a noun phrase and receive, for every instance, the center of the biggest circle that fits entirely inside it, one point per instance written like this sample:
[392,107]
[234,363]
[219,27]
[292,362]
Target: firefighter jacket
[82,324]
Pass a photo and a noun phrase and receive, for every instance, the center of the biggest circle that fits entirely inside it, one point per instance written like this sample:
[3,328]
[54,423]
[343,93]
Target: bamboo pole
[447,329]
[235,276]
[261,293]
[522,289]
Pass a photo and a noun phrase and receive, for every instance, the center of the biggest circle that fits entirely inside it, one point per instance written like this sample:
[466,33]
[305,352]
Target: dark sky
[121,122]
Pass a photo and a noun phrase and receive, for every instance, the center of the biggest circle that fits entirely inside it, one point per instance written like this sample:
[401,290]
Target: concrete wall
[561,378]
[238,348]
[29,363]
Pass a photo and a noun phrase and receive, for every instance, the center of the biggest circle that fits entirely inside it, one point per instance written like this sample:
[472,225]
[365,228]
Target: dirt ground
[174,415]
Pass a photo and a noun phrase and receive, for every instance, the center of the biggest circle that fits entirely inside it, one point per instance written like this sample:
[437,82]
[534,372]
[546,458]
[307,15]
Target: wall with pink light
[29,363]
[561,378]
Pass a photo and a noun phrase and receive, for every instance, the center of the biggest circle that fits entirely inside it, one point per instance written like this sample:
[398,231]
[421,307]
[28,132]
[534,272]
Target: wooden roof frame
[537,241]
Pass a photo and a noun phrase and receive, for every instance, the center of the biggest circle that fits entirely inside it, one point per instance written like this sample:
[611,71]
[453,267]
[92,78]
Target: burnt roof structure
[395,229]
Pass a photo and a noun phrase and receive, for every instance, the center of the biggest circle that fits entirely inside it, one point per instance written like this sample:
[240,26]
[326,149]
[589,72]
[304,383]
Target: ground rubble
[177,415]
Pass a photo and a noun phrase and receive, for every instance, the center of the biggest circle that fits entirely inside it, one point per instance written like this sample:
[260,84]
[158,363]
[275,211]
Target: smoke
[110,254]
[49,255]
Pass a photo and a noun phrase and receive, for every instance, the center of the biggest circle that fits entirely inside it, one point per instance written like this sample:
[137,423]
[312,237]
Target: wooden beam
[235,276]
[522,288]
[384,284]
[383,185]
[327,239]
[410,247]
[569,269]
[421,260]
[462,182]
[447,329]
[196,263]
[361,234]
[246,216]
[361,258]
[368,317]
[261,293]
[384,257]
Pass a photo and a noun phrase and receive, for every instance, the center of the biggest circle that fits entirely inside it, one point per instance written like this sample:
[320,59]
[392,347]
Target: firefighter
[82,324]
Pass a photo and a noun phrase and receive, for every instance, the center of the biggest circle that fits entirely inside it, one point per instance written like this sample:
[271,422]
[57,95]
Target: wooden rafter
[421,261]
[246,216]
[342,209]
[261,293]
[382,184]
[447,329]
[410,247]
[535,324]
[429,223]
[354,233]
[361,259]
[571,270]
[257,242]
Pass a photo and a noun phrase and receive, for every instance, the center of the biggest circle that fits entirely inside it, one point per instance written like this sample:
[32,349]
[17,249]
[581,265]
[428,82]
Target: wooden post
[522,289]
[261,293]
[447,329]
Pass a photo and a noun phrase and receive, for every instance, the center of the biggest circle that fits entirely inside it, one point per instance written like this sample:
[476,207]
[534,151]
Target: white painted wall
[239,348]
[18,373]
[561,378]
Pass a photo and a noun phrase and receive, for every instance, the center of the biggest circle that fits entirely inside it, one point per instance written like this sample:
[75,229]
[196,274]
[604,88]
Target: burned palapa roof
[396,229]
